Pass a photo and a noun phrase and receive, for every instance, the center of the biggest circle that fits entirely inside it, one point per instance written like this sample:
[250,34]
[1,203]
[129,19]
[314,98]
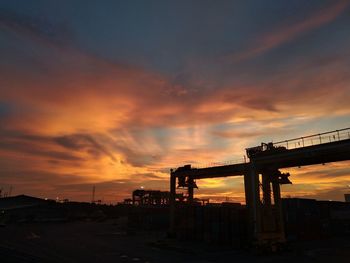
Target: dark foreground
[110,242]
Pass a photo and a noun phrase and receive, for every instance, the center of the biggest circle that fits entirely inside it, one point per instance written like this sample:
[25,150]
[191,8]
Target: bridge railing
[316,139]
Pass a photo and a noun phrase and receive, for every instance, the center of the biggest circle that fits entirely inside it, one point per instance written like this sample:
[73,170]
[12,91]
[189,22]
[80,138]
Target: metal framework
[262,178]
[149,197]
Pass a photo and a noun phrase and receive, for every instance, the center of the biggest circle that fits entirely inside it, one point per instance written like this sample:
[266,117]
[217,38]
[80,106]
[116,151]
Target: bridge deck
[216,171]
[317,154]
[309,155]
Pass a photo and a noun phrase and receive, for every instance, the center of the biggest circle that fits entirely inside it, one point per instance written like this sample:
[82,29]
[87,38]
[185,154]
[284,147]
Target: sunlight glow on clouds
[71,118]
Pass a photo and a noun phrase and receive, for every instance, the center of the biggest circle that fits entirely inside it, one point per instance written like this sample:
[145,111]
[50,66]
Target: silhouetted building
[20,201]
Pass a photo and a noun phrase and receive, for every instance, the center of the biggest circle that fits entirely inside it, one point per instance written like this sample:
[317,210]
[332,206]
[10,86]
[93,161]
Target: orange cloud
[84,120]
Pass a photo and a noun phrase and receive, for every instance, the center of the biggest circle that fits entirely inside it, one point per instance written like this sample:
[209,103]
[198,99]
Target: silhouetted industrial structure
[262,180]
[150,197]
[347,197]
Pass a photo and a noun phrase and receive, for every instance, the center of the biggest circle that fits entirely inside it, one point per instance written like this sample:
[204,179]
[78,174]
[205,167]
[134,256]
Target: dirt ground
[109,242]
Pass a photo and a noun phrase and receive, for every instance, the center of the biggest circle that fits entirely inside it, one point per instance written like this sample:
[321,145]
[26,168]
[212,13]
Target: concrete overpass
[264,162]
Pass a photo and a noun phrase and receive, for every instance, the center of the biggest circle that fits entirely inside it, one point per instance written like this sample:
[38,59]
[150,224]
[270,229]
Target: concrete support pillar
[267,214]
[172,204]
[249,202]
[266,187]
[190,190]
[251,184]
[278,205]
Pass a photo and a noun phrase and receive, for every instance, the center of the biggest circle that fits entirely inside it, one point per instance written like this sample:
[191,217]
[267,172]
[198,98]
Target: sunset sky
[115,93]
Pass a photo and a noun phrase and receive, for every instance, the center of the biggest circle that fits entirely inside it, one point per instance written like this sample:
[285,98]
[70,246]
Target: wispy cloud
[287,33]
[37,29]
[95,121]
